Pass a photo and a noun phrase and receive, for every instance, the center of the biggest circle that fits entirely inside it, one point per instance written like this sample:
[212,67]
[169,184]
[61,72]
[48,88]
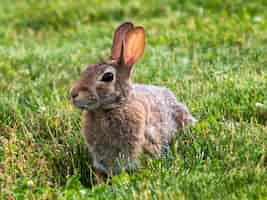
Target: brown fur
[115,134]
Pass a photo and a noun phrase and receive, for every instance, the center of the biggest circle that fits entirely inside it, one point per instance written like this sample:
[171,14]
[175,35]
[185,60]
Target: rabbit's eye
[107,77]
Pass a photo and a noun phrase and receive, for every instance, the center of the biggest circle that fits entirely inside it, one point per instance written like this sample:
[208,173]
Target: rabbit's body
[161,121]
[122,120]
[150,117]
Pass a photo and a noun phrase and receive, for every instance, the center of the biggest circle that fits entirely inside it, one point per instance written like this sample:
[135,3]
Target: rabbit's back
[163,113]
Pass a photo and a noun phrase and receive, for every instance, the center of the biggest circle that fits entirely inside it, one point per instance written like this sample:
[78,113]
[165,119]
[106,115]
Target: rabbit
[122,120]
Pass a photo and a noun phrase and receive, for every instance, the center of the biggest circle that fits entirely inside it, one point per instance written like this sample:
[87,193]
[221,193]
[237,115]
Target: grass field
[212,54]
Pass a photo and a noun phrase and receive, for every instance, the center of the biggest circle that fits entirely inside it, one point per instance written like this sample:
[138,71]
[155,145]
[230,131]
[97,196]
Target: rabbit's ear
[119,35]
[133,45]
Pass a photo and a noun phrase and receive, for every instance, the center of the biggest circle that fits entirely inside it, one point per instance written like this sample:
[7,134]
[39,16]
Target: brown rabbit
[121,120]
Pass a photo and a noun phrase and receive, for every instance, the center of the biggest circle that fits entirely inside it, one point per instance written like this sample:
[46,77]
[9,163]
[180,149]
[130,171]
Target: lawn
[212,54]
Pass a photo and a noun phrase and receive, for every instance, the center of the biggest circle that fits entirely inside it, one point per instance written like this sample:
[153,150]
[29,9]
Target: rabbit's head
[105,84]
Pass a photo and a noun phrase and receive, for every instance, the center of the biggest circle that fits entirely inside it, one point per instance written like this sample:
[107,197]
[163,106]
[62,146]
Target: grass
[212,54]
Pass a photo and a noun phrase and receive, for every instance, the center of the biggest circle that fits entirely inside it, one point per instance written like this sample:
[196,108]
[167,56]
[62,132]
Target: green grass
[212,54]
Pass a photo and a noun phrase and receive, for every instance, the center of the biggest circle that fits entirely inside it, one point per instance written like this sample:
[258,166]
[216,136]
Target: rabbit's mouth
[85,106]
[106,103]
